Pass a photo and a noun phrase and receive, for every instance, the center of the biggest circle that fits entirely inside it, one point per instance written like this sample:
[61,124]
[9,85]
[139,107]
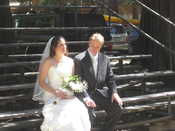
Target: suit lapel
[88,63]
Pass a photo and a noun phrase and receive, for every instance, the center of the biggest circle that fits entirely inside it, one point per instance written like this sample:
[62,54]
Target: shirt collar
[92,56]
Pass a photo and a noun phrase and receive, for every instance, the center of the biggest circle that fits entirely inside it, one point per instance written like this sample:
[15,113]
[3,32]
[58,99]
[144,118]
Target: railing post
[171,107]
[120,66]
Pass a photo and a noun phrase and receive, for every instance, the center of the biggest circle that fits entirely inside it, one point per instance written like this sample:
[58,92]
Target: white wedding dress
[63,114]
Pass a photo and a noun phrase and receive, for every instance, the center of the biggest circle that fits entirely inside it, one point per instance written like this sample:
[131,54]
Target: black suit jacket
[104,82]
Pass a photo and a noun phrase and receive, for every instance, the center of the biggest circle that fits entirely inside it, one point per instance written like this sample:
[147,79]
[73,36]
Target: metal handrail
[135,27]
[155,13]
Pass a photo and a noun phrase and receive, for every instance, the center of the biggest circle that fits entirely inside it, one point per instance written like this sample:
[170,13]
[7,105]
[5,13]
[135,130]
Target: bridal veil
[38,91]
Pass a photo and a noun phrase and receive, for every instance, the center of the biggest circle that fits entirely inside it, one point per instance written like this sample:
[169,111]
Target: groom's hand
[116,97]
[90,103]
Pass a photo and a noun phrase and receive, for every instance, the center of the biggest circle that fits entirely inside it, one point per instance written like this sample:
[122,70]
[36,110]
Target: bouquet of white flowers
[73,83]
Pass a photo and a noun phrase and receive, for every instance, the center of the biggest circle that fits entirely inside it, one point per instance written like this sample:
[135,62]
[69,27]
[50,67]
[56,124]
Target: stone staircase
[141,91]
[148,96]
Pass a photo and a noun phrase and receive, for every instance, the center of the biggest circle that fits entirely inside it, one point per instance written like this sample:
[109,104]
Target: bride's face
[61,47]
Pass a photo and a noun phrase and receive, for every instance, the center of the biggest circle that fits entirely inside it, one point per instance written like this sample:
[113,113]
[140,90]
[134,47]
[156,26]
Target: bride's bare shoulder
[47,62]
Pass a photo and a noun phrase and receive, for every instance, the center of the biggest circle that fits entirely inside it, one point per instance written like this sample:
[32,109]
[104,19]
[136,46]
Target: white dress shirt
[94,61]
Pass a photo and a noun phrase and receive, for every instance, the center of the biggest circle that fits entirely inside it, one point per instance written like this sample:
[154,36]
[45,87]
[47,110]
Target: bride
[62,111]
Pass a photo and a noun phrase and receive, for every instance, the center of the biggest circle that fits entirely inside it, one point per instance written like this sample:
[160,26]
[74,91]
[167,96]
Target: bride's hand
[62,95]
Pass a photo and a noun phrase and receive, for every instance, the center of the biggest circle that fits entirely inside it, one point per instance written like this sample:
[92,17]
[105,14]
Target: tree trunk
[5,21]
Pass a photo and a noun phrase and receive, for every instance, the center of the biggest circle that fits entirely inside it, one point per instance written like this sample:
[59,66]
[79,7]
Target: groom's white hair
[98,37]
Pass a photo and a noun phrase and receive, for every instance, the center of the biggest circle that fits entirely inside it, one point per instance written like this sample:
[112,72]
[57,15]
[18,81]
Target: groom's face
[94,46]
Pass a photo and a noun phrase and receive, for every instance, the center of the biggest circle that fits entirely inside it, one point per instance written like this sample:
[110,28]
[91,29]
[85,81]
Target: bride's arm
[43,70]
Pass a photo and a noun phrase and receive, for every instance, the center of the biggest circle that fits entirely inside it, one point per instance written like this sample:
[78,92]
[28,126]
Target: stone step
[27,125]
[137,84]
[145,75]
[148,97]
[26,57]
[120,87]
[27,120]
[27,77]
[17,87]
[126,109]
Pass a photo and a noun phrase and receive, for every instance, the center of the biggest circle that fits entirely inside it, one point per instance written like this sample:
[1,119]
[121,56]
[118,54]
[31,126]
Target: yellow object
[120,21]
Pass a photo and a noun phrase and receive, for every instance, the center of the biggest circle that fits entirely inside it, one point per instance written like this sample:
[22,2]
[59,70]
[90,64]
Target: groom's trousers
[113,110]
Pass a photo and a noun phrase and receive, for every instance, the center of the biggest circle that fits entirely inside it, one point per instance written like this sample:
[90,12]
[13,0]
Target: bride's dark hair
[54,43]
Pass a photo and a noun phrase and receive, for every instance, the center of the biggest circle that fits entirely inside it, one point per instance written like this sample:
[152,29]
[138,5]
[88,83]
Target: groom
[94,67]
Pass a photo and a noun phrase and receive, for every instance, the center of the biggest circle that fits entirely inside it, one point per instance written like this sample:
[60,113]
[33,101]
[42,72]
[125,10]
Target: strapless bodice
[60,71]
[57,73]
